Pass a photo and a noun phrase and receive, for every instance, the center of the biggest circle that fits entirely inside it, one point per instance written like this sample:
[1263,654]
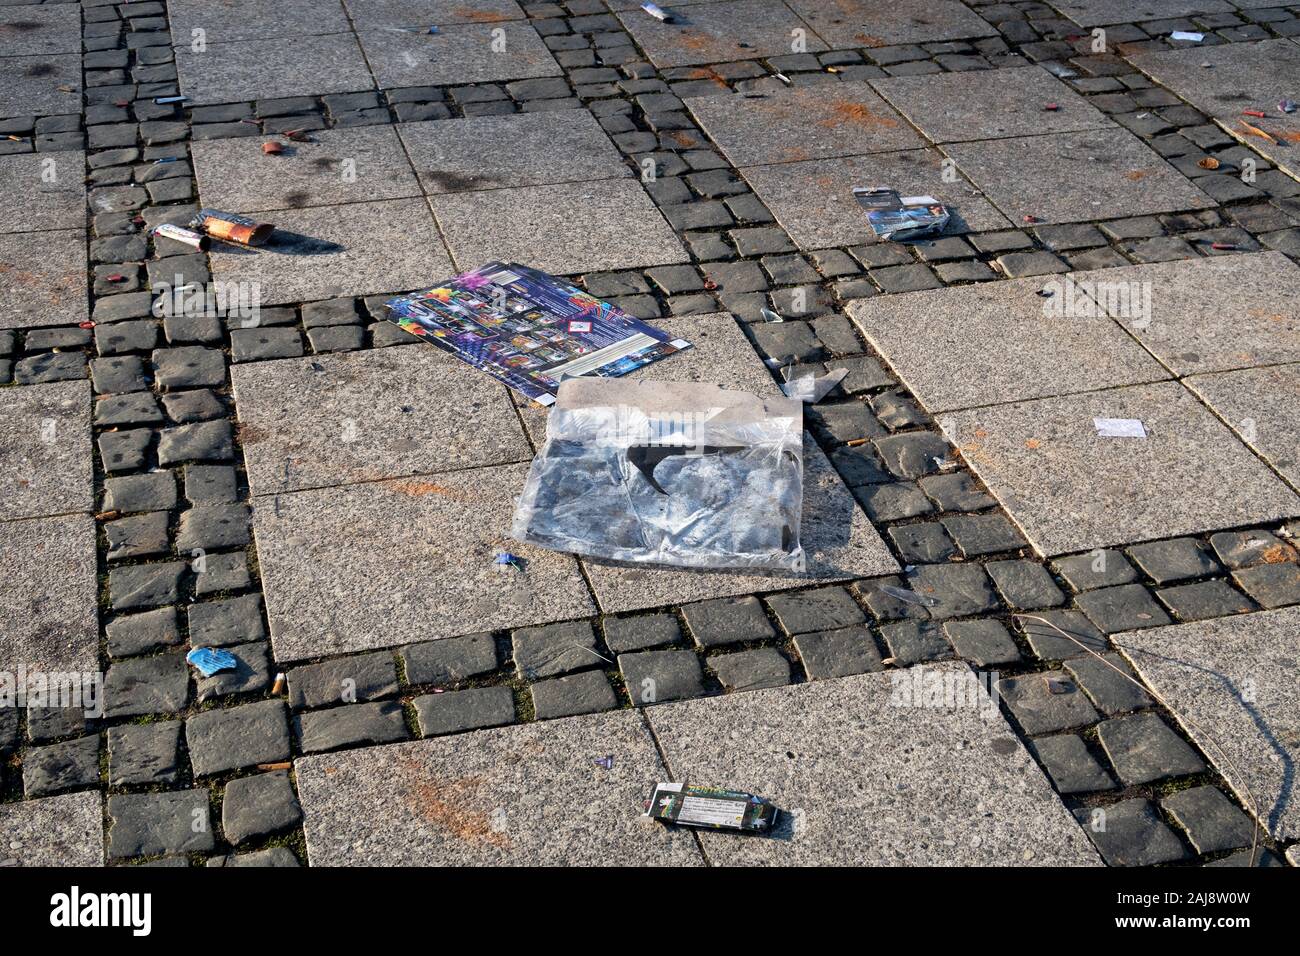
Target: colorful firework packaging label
[711,808]
[529,329]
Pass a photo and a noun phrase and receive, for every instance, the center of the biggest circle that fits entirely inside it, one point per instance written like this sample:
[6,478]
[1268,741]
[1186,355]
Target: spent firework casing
[189,237]
[232,228]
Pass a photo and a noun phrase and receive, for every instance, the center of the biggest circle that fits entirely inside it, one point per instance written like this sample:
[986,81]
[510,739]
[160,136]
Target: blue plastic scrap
[211,660]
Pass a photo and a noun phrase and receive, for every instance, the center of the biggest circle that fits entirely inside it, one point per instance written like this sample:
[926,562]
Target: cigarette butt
[282,765]
[278,687]
[855,442]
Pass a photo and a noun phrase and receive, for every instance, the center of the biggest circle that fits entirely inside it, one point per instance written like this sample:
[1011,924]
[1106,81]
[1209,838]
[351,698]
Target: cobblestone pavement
[323,497]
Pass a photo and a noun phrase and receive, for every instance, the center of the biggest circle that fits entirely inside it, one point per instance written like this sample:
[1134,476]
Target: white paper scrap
[1119,428]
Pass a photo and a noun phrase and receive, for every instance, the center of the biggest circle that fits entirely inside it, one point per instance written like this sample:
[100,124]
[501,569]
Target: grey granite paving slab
[1260,404]
[416,14]
[269,68]
[42,279]
[517,149]
[564,229]
[1009,102]
[1212,314]
[224,20]
[1231,683]
[814,201]
[1070,490]
[462,53]
[417,553]
[946,785]
[802,123]
[1089,13]
[42,85]
[48,595]
[1005,341]
[362,416]
[326,252]
[719,354]
[838,538]
[526,795]
[45,446]
[1226,79]
[67,830]
[1073,177]
[339,166]
[718,32]
[38,30]
[43,191]
[617,5]
[869,23]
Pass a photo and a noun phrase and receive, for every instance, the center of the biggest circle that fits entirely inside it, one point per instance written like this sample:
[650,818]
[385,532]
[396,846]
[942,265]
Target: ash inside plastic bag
[668,473]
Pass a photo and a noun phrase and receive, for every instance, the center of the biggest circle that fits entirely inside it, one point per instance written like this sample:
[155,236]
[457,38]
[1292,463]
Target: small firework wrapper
[211,660]
[658,12]
[710,808]
[231,228]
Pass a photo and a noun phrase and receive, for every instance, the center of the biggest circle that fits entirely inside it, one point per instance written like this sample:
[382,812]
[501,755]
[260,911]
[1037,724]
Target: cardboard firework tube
[231,228]
[187,236]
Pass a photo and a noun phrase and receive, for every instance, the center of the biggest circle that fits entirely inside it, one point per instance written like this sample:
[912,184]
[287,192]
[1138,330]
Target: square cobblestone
[1034,455]
[327,558]
[1047,702]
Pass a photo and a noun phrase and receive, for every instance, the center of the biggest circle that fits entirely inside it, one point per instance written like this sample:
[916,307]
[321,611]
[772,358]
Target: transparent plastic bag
[668,473]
